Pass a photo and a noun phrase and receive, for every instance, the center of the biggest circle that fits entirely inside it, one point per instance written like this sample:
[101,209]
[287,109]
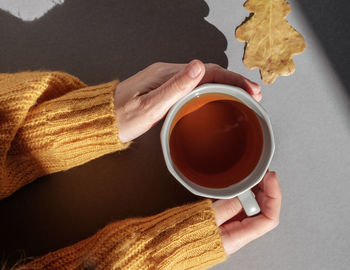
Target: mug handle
[250,205]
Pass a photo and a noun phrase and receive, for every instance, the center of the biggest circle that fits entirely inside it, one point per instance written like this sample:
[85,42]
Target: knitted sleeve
[51,121]
[184,237]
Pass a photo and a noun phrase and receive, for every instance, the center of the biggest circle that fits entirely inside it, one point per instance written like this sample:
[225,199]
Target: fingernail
[254,86]
[194,69]
[259,96]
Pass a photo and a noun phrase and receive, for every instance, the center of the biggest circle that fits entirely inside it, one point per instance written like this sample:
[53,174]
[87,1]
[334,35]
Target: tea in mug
[215,140]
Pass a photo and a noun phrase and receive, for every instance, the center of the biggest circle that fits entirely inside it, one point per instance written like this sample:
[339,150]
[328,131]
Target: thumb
[178,86]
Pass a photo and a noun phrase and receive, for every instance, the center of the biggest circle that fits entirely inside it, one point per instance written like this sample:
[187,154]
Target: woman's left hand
[236,229]
[143,99]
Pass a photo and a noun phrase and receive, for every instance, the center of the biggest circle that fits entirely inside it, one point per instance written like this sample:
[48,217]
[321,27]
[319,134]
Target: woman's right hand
[235,228]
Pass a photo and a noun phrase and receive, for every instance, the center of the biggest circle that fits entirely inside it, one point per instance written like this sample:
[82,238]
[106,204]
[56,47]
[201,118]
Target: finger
[270,185]
[270,196]
[215,73]
[226,209]
[258,96]
[157,74]
[150,78]
[237,234]
[161,99]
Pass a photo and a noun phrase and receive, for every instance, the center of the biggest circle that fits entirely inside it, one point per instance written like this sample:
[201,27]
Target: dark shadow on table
[98,41]
[330,22]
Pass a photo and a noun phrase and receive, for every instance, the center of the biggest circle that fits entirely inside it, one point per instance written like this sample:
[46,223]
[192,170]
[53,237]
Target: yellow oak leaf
[271,40]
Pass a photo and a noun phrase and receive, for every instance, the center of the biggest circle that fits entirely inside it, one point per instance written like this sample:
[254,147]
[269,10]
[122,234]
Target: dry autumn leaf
[271,41]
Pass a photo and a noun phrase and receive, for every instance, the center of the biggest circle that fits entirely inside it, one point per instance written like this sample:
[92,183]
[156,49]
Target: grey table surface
[310,116]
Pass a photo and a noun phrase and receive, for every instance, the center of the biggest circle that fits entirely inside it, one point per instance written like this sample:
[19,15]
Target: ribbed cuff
[61,131]
[184,237]
[190,239]
[72,129]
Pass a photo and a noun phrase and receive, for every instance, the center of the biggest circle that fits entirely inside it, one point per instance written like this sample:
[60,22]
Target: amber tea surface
[215,140]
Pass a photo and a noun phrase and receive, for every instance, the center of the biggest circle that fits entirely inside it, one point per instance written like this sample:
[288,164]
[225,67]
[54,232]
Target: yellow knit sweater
[51,121]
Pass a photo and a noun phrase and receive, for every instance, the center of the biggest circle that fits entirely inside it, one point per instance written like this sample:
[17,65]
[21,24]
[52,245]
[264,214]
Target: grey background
[310,116]
[309,112]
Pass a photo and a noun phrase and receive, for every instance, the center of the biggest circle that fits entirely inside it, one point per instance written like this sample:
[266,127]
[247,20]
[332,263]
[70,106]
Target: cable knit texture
[51,121]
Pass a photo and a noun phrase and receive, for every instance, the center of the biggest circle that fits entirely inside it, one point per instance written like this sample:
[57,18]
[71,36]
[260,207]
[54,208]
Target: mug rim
[264,161]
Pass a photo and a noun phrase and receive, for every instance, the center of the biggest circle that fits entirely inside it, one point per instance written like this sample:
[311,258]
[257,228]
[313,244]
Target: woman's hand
[235,228]
[143,99]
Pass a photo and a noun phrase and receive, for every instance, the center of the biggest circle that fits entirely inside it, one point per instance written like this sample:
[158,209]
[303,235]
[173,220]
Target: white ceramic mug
[242,188]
